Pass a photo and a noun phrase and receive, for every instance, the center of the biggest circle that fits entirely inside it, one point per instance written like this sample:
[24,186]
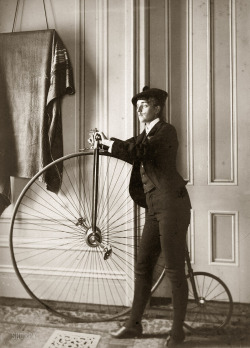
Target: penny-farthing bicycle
[74,251]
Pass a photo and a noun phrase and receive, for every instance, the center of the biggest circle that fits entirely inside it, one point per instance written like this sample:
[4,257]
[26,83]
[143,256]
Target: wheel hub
[93,239]
[202,301]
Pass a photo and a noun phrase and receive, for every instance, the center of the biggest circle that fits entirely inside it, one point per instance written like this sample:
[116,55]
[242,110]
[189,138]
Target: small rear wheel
[212,309]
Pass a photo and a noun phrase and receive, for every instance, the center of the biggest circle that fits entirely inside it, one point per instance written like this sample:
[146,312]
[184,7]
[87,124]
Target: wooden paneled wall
[197,51]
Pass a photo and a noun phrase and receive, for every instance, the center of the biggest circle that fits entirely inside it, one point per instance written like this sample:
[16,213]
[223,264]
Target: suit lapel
[154,129]
[141,137]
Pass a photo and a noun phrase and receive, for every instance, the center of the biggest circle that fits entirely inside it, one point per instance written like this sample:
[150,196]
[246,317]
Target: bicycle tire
[213,309]
[52,251]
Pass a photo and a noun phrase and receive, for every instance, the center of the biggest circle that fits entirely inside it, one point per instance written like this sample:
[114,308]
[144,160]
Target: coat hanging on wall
[35,73]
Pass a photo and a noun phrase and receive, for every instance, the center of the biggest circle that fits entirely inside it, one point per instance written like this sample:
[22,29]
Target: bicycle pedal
[107,254]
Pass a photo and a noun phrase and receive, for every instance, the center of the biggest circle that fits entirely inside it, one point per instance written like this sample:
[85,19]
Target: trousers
[166,223]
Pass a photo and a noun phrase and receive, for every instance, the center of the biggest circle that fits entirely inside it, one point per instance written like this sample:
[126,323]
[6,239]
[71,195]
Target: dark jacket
[157,151]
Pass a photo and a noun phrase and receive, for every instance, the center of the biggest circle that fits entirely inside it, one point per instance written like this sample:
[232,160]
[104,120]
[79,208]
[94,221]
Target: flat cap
[148,92]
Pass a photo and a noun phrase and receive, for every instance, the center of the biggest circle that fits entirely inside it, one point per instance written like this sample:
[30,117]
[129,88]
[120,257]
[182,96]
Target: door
[208,80]
[220,190]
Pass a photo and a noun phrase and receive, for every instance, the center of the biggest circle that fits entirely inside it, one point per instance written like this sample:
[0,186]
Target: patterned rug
[68,339]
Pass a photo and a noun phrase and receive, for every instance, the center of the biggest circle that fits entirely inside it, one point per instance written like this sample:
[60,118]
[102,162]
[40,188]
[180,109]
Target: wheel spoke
[213,307]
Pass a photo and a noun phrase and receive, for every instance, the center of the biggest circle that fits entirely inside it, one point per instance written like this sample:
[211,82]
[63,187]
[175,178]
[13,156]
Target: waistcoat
[147,183]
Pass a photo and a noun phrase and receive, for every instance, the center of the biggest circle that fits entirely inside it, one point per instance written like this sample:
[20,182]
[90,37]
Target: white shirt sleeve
[111,145]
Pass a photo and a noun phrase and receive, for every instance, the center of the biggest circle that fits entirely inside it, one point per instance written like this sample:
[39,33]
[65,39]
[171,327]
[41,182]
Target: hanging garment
[35,73]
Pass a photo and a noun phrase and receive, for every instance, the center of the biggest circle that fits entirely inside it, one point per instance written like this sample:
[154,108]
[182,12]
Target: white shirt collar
[149,126]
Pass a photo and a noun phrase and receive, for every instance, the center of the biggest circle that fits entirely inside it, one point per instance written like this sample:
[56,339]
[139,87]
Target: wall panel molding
[223,238]
[190,148]
[222,164]
[79,63]
[190,238]
[168,57]
[4,242]
[102,65]
[141,52]
[7,269]
[130,58]
[188,112]
[65,272]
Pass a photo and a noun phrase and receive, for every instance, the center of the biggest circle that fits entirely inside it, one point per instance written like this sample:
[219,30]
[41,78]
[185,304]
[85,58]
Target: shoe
[127,332]
[172,342]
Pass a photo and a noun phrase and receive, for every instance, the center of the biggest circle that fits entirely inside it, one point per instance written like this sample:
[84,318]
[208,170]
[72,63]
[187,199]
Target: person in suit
[156,185]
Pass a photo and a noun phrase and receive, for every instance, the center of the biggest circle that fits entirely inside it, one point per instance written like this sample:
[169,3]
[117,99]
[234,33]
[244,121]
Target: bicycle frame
[95,233]
[74,234]
[191,273]
[95,186]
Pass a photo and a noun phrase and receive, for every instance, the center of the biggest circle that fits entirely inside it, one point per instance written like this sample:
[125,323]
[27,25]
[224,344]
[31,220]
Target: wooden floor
[24,325]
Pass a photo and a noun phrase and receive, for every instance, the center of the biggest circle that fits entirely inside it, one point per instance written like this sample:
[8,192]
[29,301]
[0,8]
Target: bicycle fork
[191,273]
[96,237]
[95,185]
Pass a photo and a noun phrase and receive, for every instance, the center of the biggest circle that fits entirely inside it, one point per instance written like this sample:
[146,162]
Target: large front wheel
[73,270]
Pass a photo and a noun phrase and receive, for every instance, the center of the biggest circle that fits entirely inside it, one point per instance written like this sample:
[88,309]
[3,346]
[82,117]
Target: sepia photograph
[124,173]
